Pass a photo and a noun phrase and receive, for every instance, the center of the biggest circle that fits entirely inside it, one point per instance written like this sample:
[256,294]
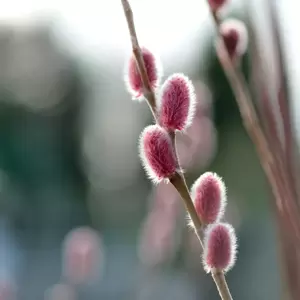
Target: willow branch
[177,179]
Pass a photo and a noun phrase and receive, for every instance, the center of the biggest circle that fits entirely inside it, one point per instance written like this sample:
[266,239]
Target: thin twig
[270,126]
[220,281]
[148,91]
[178,182]
[283,99]
[178,179]
[284,106]
[285,158]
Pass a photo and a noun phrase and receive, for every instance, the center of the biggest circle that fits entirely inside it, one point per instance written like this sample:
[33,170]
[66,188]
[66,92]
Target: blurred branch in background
[274,108]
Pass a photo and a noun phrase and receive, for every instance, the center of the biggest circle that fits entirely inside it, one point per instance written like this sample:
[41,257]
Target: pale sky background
[94,26]
[96,29]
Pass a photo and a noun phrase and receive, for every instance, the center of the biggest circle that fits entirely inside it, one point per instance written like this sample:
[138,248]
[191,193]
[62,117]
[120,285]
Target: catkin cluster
[175,107]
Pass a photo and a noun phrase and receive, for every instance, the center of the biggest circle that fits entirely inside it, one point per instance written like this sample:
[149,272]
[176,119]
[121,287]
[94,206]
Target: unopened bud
[209,196]
[219,247]
[235,37]
[157,153]
[177,103]
[133,78]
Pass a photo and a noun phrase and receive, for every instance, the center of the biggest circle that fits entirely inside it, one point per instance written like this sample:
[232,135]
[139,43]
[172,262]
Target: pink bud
[235,37]
[209,196]
[216,4]
[219,247]
[132,76]
[177,103]
[82,253]
[157,153]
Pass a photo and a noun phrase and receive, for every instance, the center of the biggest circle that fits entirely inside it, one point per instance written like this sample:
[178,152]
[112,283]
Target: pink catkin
[177,103]
[216,4]
[219,247]
[82,249]
[209,196]
[235,37]
[132,76]
[157,153]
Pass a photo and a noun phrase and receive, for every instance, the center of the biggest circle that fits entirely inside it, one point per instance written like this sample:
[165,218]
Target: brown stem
[220,281]
[178,179]
[178,182]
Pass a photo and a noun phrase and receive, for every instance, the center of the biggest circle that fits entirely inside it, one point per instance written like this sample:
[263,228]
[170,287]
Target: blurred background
[78,217]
